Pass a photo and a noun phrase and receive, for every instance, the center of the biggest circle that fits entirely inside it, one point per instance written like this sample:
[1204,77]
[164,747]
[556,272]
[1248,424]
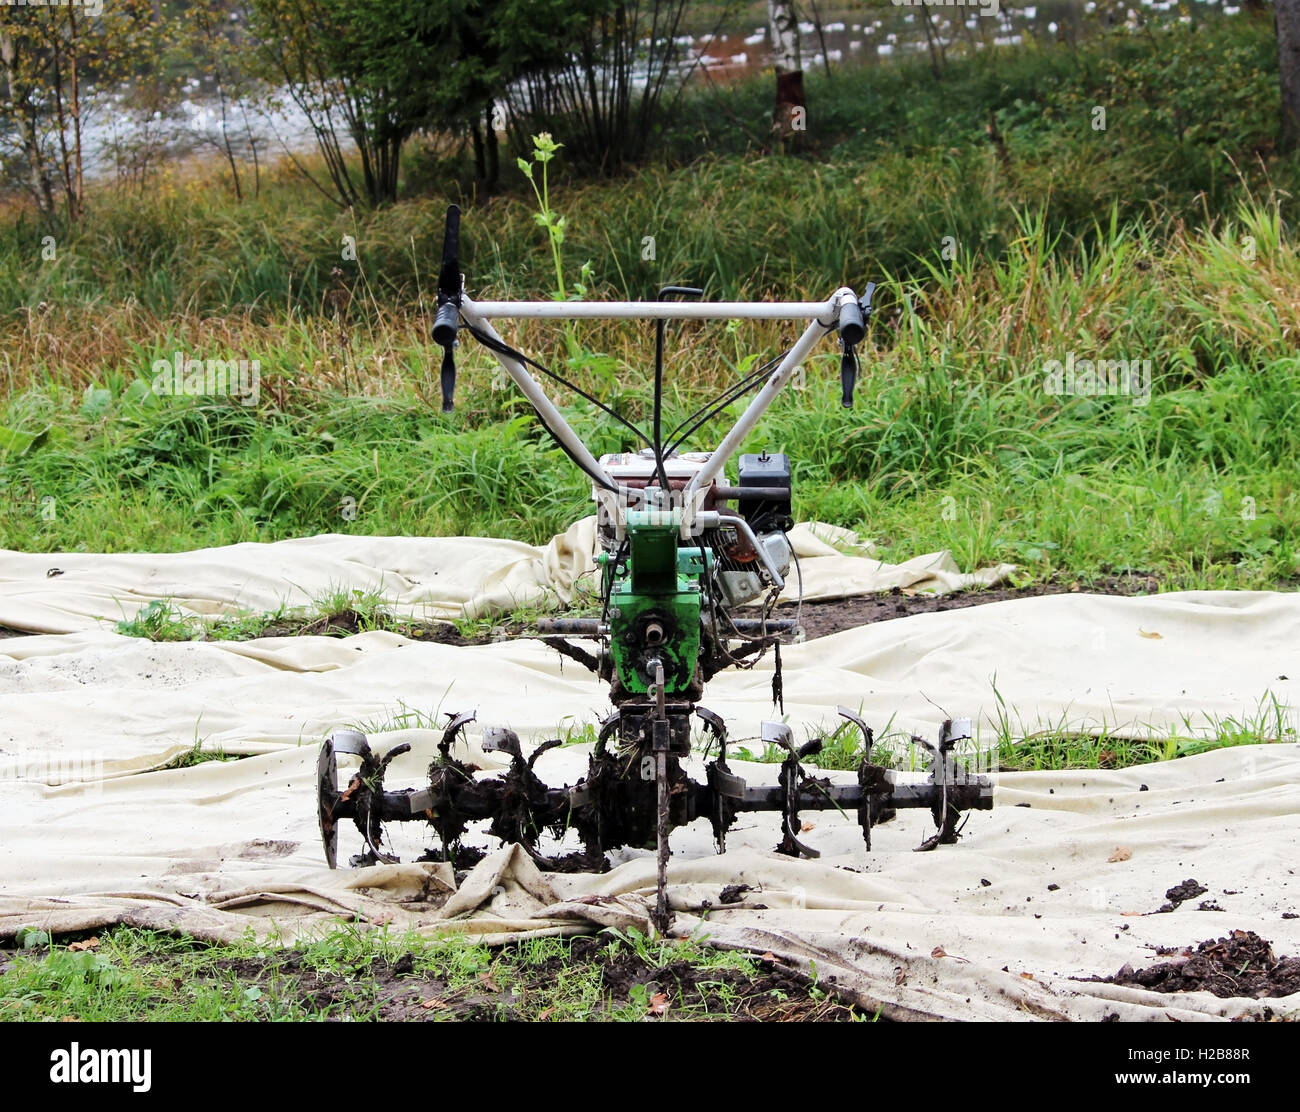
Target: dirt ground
[819,619]
[1240,964]
[774,993]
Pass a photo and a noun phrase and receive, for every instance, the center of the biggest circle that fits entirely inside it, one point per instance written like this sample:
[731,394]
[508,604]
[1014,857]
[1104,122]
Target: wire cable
[711,409]
[502,348]
[727,397]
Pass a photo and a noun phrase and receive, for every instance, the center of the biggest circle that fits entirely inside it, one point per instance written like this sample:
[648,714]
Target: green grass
[1014,745]
[1059,746]
[954,442]
[949,447]
[1165,238]
[336,610]
[161,620]
[197,755]
[355,973]
[406,717]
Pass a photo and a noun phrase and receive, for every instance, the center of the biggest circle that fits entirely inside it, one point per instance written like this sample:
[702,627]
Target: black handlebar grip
[447,319]
[444,334]
[852,326]
[449,275]
[445,323]
[848,376]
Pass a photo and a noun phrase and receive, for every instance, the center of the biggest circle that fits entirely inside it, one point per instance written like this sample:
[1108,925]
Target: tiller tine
[725,787]
[944,774]
[878,794]
[792,780]
[523,804]
[456,723]
[636,791]
[327,794]
[358,800]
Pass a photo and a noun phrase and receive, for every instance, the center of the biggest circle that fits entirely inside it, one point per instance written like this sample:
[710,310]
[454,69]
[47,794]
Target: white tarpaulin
[1051,888]
[417,577]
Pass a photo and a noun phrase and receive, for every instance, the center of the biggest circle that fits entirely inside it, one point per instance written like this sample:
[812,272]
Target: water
[115,139]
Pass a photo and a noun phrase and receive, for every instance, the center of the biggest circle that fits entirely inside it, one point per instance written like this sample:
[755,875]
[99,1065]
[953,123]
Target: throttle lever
[447,319]
[848,376]
[853,329]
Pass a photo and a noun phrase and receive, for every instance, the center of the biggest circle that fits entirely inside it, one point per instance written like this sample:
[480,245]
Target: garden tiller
[690,567]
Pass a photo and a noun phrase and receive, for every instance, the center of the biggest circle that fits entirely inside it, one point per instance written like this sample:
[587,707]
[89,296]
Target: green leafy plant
[544,148]
[161,621]
[88,966]
[29,938]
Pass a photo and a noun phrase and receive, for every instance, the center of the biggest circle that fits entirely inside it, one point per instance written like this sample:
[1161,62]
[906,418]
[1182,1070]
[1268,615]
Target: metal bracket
[659,741]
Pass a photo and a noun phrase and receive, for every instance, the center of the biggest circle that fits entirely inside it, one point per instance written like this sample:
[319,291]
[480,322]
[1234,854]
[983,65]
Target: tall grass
[953,442]
[1085,242]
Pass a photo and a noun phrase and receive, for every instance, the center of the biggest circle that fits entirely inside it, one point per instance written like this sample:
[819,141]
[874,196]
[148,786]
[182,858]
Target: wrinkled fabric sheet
[93,830]
[415,577]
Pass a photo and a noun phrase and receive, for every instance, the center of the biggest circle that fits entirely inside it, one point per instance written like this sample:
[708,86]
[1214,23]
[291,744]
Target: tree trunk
[20,106]
[252,146]
[791,107]
[821,38]
[1286,18]
[493,149]
[480,157]
[225,139]
[65,162]
[938,55]
[74,58]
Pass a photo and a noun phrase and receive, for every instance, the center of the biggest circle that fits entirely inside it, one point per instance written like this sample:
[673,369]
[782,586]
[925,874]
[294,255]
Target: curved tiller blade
[327,785]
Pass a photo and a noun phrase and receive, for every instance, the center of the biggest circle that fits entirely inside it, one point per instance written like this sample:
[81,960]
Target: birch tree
[791,108]
[47,54]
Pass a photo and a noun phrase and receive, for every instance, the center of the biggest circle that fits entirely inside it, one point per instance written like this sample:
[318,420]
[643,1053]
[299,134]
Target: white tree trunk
[785,35]
[791,112]
[74,48]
